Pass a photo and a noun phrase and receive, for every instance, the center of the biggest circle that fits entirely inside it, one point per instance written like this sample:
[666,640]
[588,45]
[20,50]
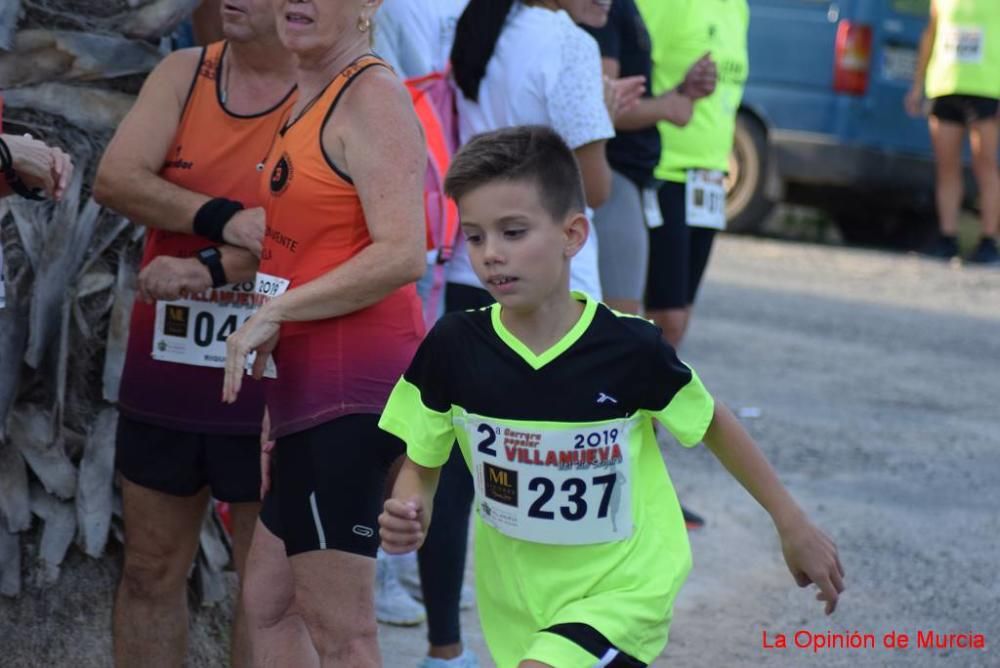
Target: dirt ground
[877,382]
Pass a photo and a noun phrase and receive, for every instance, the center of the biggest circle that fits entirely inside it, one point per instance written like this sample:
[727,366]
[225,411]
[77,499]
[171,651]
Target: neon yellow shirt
[965,59]
[576,517]
[682,31]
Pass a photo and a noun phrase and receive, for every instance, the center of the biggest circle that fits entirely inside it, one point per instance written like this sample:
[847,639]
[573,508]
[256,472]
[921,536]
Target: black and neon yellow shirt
[577,520]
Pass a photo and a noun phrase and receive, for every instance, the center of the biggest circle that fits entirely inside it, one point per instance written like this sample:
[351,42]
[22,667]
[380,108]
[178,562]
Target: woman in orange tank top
[344,244]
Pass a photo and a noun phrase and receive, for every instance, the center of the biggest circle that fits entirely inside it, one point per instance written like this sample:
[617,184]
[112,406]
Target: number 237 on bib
[554,485]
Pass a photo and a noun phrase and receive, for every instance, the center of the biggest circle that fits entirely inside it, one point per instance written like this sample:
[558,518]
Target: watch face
[207,254]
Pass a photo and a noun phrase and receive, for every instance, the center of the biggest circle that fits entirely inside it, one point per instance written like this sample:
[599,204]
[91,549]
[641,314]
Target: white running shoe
[408,573]
[392,604]
[466,660]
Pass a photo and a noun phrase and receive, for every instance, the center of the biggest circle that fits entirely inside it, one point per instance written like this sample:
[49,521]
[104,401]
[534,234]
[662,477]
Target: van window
[912,7]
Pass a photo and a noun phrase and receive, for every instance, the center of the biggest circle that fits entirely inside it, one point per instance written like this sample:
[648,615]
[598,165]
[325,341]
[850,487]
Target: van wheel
[747,205]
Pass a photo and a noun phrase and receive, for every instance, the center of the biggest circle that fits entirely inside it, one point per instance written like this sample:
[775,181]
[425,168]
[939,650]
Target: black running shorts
[964,109]
[328,486]
[181,463]
[594,642]
[678,253]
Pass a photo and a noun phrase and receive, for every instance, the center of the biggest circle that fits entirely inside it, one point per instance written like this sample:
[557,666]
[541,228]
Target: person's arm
[388,169]
[596,172]
[407,515]
[915,96]
[128,178]
[648,111]
[810,554]
[170,278]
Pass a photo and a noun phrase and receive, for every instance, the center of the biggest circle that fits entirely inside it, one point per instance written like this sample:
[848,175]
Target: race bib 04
[963,44]
[194,330]
[558,486]
[706,199]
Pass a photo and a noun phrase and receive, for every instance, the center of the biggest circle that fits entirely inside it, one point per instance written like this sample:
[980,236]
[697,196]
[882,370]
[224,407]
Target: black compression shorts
[678,253]
[964,109]
[328,486]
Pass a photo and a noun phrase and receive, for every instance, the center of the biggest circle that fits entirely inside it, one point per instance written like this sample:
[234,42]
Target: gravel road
[877,380]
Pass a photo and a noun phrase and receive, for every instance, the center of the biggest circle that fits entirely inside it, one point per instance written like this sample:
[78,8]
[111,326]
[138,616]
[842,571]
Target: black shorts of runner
[328,486]
[181,463]
[678,253]
[964,109]
[592,640]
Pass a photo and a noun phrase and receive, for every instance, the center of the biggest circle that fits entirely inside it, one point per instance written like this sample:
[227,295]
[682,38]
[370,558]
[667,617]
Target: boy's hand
[402,525]
[812,558]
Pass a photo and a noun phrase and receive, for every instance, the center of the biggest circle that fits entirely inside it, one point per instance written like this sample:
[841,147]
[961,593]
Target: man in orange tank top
[185,164]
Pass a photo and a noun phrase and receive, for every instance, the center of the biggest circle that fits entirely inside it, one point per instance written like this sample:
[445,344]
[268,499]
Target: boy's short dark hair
[529,153]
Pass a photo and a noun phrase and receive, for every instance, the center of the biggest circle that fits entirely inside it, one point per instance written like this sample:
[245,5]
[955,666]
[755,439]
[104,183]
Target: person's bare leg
[629,306]
[673,322]
[344,634]
[278,634]
[983,137]
[244,516]
[947,140]
[150,619]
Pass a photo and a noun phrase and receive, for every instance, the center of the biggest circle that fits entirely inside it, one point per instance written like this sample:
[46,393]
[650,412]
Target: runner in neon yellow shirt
[695,157]
[959,69]
[580,544]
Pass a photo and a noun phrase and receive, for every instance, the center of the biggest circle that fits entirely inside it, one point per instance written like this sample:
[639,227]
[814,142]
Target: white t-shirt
[545,70]
[415,36]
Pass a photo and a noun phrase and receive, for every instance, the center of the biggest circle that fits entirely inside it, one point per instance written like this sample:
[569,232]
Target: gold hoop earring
[364,24]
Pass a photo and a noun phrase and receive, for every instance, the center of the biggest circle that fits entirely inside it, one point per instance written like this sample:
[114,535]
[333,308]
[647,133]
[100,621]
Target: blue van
[823,115]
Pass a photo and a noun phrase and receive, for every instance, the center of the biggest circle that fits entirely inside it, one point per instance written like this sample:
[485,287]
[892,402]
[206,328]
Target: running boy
[580,544]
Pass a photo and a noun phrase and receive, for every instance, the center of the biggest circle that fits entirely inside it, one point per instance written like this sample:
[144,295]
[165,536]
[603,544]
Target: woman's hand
[39,165]
[623,94]
[258,334]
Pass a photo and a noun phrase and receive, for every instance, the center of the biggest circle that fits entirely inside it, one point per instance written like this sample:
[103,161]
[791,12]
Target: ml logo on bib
[281,176]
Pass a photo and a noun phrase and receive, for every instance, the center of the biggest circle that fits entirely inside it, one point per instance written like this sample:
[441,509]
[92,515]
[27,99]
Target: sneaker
[392,604]
[986,252]
[408,573]
[944,247]
[692,520]
[466,660]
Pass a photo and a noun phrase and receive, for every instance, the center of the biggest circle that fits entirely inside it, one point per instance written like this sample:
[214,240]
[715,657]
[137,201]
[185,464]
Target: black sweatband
[212,217]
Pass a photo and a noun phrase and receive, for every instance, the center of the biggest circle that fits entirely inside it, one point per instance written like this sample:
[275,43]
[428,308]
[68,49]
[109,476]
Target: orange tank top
[220,154]
[315,223]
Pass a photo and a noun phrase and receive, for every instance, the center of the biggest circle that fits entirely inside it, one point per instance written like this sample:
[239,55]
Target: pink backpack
[434,100]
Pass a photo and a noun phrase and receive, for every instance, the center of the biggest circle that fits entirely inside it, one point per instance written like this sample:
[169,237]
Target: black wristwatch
[211,257]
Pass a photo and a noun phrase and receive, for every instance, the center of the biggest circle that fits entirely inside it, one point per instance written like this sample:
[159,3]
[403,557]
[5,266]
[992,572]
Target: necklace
[224,80]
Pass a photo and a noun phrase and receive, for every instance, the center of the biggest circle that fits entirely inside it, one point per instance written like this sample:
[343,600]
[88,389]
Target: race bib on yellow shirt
[557,485]
[706,199]
[963,44]
[194,330]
